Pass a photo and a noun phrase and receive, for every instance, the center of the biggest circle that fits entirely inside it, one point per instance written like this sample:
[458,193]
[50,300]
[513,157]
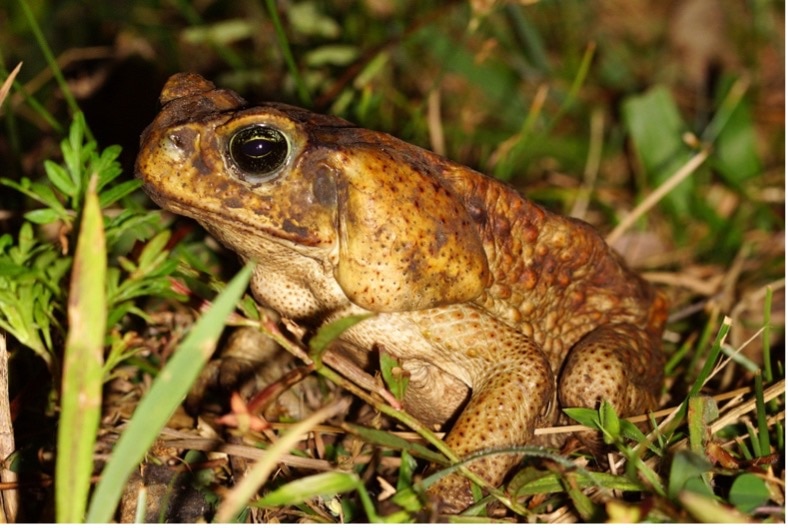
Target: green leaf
[12,269]
[748,492]
[224,32]
[656,129]
[686,465]
[82,368]
[393,375]
[329,332]
[164,397]
[407,467]
[407,499]
[36,191]
[583,416]
[384,438]
[42,216]
[107,167]
[60,178]
[735,152]
[30,277]
[631,431]
[739,358]
[117,192]
[332,55]
[46,195]
[73,152]
[550,482]
[611,427]
[249,308]
[582,503]
[153,252]
[700,412]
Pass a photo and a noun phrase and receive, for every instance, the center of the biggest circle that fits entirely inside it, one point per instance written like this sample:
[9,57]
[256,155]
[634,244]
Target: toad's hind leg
[510,398]
[618,363]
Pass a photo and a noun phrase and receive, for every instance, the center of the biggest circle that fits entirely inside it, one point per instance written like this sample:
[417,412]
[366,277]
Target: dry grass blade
[7,84]
[652,199]
[774,391]
[7,444]
[245,451]
[245,490]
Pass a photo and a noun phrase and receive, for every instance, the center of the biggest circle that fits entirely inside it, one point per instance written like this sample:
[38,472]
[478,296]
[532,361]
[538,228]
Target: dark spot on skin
[233,203]
[440,239]
[323,187]
[203,169]
[290,227]
[416,268]
[477,210]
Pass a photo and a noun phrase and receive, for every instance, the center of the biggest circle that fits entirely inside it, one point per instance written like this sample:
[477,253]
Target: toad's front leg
[512,393]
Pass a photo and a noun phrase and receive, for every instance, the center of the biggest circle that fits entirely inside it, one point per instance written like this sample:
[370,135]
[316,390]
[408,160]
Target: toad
[501,312]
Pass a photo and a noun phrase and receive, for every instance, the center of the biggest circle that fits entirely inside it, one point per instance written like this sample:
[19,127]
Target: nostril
[180,141]
[175,141]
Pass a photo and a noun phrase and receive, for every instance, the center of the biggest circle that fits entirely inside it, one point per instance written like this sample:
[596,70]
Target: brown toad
[500,311]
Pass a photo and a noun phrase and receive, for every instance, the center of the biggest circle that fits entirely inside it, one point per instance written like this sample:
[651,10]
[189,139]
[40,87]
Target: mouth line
[218,223]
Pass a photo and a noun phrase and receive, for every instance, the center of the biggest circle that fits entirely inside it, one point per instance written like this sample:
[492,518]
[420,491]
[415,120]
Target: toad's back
[552,276]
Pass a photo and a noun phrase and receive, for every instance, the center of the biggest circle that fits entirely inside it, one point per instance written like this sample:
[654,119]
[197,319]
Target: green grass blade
[320,485]
[577,84]
[51,61]
[766,340]
[327,333]
[82,369]
[760,413]
[384,438]
[167,392]
[530,39]
[711,360]
[284,45]
[551,483]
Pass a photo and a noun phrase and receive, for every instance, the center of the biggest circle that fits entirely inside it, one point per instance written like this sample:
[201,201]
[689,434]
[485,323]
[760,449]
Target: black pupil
[258,149]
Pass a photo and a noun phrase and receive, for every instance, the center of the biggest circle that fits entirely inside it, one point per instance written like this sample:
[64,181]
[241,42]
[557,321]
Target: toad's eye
[259,151]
